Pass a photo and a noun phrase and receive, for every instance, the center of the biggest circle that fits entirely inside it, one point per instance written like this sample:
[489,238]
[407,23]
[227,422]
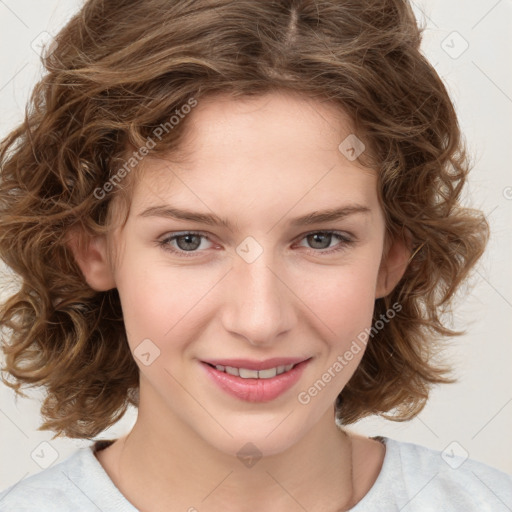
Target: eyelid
[344,234]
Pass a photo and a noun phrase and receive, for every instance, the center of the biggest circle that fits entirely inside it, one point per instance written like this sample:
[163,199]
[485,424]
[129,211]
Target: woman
[242,218]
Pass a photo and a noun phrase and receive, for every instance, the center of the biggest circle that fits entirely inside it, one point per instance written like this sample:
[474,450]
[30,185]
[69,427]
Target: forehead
[264,152]
[279,122]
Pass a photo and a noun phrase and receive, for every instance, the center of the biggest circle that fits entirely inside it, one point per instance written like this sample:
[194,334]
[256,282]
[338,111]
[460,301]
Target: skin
[257,162]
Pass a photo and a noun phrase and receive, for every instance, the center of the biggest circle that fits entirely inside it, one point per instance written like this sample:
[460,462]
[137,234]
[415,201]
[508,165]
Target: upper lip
[256,365]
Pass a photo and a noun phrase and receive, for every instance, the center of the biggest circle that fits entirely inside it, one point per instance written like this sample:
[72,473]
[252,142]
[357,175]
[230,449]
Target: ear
[395,259]
[92,257]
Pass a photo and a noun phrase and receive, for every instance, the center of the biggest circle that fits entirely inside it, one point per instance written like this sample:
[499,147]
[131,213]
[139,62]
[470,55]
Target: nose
[259,304]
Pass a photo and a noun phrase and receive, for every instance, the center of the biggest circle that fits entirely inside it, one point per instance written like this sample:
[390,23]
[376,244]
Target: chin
[258,441]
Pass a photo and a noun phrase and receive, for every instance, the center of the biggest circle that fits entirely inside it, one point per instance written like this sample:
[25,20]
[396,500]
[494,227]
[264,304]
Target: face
[263,287]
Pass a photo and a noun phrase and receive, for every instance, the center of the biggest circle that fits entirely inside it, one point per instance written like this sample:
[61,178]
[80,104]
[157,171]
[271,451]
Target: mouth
[247,373]
[254,381]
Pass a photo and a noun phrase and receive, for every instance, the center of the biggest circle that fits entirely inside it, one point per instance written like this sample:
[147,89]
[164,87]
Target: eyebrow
[315,217]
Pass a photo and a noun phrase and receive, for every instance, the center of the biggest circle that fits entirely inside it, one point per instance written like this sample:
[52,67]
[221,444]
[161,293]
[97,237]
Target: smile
[255,385]
[245,373]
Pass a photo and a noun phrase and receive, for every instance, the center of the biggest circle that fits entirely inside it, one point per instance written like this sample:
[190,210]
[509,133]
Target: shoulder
[50,489]
[446,480]
[77,483]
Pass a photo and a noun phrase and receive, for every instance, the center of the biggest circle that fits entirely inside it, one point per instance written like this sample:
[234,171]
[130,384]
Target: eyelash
[165,243]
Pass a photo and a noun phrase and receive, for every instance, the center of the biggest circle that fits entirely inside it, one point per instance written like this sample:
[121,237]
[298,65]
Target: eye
[319,240]
[191,242]
[186,242]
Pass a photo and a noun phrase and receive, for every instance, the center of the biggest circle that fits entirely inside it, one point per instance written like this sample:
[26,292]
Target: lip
[256,365]
[256,390]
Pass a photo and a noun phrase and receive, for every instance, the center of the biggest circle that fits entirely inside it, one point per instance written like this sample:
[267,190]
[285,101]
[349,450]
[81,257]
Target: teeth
[232,371]
[248,374]
[267,374]
[254,374]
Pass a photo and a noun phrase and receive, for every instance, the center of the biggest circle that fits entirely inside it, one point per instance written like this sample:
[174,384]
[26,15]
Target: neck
[156,471]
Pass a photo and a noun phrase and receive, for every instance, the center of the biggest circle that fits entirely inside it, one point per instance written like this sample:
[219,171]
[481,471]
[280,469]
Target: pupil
[186,245]
[317,236]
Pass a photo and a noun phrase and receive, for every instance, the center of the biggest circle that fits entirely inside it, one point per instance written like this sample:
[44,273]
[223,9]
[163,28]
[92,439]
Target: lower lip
[256,390]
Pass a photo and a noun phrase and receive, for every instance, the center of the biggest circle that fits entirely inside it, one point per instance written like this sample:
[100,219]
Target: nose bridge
[258,306]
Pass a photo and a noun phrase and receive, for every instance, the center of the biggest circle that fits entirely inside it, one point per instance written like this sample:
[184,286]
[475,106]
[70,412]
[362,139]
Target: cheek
[159,301]
[343,300]
[342,313]
[342,297]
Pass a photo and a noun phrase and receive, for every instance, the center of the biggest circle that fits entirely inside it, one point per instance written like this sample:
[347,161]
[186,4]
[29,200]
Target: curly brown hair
[111,80]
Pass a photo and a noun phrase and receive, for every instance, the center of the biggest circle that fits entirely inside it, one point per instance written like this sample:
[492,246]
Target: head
[257,124]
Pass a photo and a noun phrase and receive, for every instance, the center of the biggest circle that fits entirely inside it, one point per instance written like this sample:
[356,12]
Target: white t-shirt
[412,478]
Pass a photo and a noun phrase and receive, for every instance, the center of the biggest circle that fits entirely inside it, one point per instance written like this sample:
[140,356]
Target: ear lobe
[393,265]
[92,257]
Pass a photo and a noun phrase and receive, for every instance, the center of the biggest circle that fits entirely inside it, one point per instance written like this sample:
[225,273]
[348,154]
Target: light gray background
[471,417]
